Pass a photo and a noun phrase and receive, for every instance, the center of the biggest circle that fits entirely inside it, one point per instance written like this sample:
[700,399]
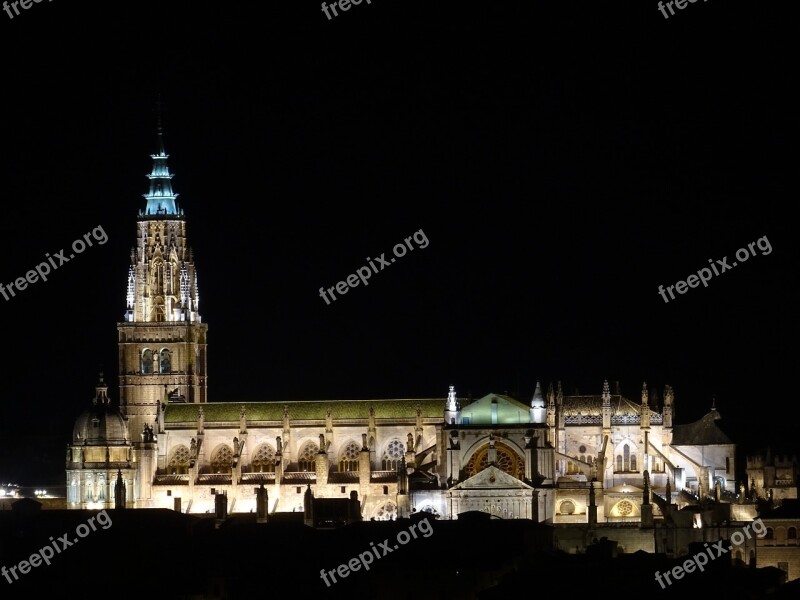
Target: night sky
[563,159]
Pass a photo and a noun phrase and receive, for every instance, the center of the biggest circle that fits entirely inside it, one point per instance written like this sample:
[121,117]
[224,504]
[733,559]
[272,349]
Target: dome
[103,424]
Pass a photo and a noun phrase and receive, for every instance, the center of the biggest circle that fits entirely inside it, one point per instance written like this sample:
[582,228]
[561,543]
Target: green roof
[306,410]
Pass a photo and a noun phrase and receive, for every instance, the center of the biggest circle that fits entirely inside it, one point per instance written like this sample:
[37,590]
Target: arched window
[348,460]
[306,460]
[583,458]
[147,361]
[619,462]
[791,533]
[179,461]
[221,459]
[633,462]
[567,507]
[626,457]
[506,459]
[166,361]
[770,534]
[264,459]
[393,455]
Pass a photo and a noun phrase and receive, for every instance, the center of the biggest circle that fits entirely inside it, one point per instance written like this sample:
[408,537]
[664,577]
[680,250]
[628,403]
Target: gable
[492,478]
[495,409]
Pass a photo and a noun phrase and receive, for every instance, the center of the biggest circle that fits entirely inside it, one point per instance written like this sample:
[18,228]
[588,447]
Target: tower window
[626,457]
[147,361]
[166,361]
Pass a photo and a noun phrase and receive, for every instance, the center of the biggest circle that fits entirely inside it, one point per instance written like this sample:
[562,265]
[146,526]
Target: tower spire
[159,125]
[161,200]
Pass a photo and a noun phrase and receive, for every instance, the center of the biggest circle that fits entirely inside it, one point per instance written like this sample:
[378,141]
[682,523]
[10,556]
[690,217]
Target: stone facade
[583,460]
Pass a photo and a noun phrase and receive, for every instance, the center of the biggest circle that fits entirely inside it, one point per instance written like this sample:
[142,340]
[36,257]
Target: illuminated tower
[162,341]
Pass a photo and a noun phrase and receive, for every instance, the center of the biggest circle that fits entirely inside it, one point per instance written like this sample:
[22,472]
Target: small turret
[669,410]
[451,410]
[537,406]
[645,416]
[606,409]
[551,415]
[561,435]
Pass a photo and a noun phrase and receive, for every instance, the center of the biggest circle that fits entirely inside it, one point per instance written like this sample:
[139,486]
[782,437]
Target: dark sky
[563,162]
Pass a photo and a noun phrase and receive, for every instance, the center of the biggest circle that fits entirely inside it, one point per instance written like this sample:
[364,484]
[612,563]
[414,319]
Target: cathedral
[599,459]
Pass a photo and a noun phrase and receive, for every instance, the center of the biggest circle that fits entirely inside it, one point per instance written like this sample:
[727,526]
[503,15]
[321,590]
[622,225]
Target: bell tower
[162,341]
